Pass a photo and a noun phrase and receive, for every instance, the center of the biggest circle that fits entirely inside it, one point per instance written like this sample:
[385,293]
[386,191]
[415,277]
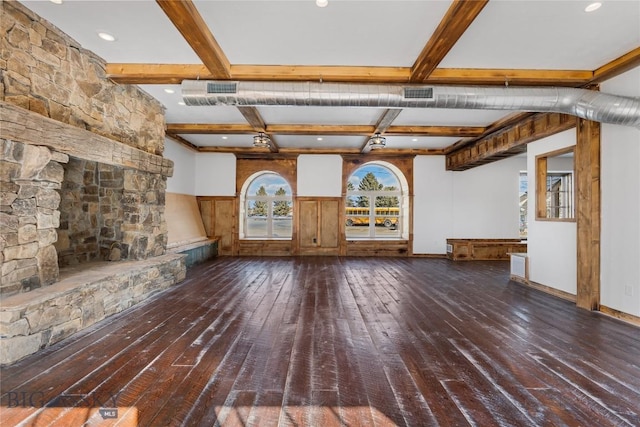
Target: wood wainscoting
[220,219]
[380,248]
[258,247]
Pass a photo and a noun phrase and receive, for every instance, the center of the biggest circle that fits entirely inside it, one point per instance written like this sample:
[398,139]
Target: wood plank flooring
[324,341]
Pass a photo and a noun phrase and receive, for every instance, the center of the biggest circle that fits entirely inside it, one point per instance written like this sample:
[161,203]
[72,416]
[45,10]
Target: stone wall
[29,216]
[45,71]
[144,229]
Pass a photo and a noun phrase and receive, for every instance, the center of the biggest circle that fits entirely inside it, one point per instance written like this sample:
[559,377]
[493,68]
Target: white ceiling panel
[448,117]
[419,142]
[312,142]
[378,33]
[143,32]
[556,35]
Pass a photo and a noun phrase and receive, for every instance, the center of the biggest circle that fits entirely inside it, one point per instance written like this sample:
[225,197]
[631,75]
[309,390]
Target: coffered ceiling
[498,42]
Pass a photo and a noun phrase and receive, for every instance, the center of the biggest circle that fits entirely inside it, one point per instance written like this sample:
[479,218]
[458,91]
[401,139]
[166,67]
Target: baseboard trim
[546,289]
[626,317]
[442,256]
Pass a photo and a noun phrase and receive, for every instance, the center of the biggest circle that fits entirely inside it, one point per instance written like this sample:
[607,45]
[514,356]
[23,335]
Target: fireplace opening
[91,213]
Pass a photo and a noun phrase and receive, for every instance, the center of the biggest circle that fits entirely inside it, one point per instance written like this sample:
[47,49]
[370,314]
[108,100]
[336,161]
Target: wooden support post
[587,156]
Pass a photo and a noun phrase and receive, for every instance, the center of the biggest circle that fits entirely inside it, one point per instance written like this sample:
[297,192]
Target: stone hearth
[84,295]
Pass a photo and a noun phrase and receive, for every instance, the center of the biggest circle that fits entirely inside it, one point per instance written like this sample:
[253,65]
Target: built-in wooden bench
[483,249]
[196,251]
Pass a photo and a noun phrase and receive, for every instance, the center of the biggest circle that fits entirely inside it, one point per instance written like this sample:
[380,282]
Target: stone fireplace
[82,183]
[66,204]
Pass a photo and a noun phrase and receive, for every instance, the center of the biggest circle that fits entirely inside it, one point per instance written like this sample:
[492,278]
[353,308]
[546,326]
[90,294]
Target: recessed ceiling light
[322,3]
[181,103]
[414,139]
[56,1]
[225,137]
[170,91]
[593,6]
[106,36]
[319,139]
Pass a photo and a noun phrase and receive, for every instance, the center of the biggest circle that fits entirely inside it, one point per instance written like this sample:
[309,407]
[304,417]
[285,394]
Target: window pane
[256,218]
[270,184]
[373,178]
[282,219]
[524,199]
[559,195]
[357,216]
[387,217]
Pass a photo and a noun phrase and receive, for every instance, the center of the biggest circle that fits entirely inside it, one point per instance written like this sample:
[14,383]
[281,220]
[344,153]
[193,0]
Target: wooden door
[225,225]
[219,219]
[318,227]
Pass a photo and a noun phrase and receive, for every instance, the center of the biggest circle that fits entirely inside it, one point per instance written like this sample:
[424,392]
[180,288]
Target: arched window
[376,206]
[267,207]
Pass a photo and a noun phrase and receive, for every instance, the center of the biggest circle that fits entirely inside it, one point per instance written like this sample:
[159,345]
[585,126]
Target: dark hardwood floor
[323,341]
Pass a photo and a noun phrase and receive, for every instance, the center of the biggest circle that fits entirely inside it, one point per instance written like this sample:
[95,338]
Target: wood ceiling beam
[131,73]
[504,122]
[386,119]
[195,31]
[455,22]
[206,128]
[618,66]
[312,129]
[288,129]
[320,73]
[512,77]
[384,122]
[454,131]
[252,115]
[509,141]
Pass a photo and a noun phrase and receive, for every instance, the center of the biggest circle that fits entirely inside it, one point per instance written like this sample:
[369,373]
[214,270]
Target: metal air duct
[587,104]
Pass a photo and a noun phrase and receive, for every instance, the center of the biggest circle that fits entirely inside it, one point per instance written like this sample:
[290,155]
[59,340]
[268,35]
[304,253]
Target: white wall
[215,174]
[432,205]
[486,200]
[620,185]
[184,166]
[482,202]
[551,245]
[320,175]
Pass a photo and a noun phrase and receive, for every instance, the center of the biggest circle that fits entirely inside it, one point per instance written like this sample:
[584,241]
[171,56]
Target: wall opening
[91,213]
